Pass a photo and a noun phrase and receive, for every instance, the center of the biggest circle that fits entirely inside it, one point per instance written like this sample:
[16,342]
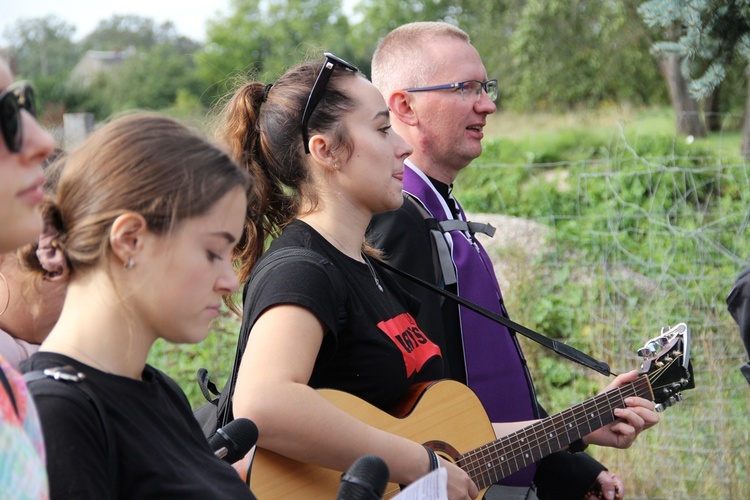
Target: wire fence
[615,249]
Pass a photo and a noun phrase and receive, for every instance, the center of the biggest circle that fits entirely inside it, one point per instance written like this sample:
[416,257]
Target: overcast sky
[189,16]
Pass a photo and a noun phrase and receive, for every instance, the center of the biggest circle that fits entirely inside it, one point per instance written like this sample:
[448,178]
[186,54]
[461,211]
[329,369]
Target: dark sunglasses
[318,89]
[15,98]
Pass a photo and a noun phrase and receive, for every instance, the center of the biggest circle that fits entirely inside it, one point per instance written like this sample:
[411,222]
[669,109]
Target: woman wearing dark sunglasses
[320,146]
[23,148]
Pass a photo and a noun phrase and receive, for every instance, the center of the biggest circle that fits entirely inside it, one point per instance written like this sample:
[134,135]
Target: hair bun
[50,252]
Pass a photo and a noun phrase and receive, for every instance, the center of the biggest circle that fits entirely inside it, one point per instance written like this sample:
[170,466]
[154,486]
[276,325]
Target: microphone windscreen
[366,479]
[238,436]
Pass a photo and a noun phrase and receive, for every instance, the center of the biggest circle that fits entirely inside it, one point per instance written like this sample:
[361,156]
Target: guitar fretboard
[499,459]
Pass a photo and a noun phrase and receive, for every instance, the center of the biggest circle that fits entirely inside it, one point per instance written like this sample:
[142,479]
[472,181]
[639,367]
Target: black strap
[69,374]
[560,348]
[6,384]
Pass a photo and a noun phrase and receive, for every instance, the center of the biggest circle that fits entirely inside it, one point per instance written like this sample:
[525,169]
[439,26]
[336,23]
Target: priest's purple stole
[494,366]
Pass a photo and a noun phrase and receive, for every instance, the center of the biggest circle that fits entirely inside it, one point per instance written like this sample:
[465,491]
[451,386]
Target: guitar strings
[481,462]
[515,458]
[618,395]
[481,470]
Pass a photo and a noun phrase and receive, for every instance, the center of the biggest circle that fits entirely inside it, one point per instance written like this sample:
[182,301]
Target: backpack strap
[9,390]
[68,374]
[224,403]
[442,259]
[441,254]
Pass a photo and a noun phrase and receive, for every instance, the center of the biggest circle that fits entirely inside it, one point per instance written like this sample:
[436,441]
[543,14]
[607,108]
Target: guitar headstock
[666,363]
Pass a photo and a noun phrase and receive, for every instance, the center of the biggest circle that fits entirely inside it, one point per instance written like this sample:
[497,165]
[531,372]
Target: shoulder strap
[70,375]
[442,255]
[225,414]
[9,390]
[560,348]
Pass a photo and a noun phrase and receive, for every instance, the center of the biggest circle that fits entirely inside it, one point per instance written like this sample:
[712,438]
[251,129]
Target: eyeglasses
[318,89]
[471,87]
[17,97]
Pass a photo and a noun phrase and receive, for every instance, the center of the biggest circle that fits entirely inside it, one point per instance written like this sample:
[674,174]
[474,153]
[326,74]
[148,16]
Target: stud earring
[129,264]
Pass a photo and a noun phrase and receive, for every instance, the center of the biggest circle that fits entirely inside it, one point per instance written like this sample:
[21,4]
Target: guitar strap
[560,348]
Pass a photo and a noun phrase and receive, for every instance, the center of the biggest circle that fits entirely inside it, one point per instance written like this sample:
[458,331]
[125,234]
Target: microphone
[366,479]
[234,440]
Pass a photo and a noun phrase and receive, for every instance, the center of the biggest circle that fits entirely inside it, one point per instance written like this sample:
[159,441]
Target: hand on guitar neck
[631,421]
[638,416]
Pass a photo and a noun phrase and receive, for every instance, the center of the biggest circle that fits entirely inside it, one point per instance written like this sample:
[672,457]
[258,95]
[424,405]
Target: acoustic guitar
[448,417]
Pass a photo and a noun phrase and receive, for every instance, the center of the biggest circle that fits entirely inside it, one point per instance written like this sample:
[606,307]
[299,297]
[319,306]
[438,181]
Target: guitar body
[447,414]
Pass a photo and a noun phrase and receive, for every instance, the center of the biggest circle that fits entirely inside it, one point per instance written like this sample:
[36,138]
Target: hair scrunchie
[265,92]
[50,255]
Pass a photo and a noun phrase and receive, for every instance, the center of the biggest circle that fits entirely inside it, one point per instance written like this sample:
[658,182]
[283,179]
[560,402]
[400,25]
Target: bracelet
[577,446]
[434,462]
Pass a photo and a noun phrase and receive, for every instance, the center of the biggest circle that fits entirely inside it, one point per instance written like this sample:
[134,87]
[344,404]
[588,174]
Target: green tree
[161,70]
[43,46]
[706,36]
[122,31]
[151,79]
[570,52]
[266,38]
[44,53]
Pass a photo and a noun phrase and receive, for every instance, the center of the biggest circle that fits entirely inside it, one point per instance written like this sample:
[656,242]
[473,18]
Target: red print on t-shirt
[415,347]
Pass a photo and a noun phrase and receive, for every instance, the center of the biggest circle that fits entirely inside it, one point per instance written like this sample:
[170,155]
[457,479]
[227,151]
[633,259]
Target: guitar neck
[499,459]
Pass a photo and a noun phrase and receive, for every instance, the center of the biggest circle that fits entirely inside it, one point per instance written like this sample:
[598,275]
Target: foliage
[43,47]
[713,33]
[263,39]
[122,31]
[151,79]
[582,52]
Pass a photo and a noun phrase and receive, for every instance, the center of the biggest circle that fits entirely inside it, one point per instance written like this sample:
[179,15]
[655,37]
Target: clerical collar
[442,188]
[445,191]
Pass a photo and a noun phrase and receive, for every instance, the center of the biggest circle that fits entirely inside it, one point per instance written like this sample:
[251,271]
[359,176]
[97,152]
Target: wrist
[434,460]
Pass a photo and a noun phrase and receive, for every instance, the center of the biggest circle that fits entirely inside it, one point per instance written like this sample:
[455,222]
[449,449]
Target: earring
[7,297]
[336,165]
[129,264]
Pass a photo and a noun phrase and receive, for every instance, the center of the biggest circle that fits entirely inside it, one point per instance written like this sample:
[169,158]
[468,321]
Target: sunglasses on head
[318,89]
[15,98]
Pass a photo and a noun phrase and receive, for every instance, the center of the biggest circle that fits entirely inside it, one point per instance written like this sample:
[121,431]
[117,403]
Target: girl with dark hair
[319,144]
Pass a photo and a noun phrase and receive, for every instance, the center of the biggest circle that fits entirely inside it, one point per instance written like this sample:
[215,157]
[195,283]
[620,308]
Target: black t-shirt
[380,351]
[161,450]
[402,235]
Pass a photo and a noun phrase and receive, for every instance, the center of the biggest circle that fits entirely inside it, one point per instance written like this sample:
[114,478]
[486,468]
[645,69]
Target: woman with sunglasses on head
[147,214]
[319,144]
[23,148]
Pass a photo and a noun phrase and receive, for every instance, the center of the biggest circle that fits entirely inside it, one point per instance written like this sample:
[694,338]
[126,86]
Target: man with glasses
[437,89]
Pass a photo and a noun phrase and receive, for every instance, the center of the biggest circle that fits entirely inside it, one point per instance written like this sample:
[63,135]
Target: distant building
[95,62]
